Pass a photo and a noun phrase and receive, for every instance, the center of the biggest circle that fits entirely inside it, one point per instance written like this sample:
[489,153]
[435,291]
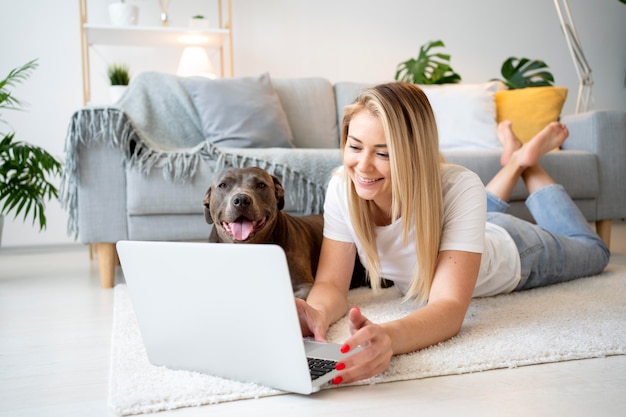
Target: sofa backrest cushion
[345,93]
[465,113]
[310,108]
[240,112]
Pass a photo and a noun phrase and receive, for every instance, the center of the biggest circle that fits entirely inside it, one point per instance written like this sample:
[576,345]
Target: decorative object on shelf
[578,56]
[123,14]
[164,5]
[198,22]
[428,69]
[218,39]
[24,168]
[119,77]
[195,61]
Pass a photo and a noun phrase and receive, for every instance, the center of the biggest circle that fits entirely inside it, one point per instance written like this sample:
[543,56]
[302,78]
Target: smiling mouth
[367,180]
[243,228]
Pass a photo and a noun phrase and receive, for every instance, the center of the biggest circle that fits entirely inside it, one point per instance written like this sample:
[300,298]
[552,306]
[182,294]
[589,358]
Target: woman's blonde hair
[413,145]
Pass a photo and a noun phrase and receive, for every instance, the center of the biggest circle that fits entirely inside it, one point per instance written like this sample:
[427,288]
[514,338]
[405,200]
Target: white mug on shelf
[123,14]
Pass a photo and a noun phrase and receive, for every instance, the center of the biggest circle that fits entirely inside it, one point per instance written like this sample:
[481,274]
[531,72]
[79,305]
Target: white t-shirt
[464,228]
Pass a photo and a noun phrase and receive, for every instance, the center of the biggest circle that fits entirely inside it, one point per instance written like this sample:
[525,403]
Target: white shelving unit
[152,36]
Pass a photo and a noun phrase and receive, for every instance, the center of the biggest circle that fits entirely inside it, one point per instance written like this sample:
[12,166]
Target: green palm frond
[24,188]
[24,168]
[15,76]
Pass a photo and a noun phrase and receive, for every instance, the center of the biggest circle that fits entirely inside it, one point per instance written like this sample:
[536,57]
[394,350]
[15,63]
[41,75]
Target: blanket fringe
[111,126]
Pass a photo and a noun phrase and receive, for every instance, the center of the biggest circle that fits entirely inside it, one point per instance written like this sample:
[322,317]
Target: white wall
[357,40]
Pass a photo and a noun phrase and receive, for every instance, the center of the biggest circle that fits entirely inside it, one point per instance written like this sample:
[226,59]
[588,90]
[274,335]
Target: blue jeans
[559,247]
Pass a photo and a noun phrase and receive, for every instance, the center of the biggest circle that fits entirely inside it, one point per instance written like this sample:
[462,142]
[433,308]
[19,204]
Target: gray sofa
[121,184]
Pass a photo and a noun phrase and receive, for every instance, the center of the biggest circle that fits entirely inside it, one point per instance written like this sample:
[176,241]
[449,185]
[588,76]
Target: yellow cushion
[530,109]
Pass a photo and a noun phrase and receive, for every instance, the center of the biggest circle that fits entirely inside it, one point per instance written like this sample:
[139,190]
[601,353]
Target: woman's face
[366,159]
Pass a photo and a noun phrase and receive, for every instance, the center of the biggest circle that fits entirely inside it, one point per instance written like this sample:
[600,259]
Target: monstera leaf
[428,68]
[524,72]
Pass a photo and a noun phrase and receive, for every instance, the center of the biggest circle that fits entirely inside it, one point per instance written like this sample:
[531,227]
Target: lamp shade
[195,61]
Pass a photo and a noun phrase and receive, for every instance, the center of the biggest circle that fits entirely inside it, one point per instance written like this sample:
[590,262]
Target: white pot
[198,23]
[123,14]
[116,92]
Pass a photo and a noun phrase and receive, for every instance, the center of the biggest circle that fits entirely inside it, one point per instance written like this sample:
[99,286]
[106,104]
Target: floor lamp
[576,51]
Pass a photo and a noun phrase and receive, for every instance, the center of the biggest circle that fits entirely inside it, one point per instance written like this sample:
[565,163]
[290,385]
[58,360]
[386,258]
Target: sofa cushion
[301,171]
[465,113]
[530,109]
[242,112]
[310,108]
[564,166]
[152,194]
[345,93]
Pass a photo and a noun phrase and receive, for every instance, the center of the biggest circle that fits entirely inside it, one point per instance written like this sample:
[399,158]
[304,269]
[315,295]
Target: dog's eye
[261,185]
[222,185]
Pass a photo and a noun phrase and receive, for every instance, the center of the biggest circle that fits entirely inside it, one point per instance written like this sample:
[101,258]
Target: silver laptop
[222,309]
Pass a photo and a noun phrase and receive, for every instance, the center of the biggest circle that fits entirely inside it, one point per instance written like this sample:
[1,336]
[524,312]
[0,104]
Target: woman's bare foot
[550,137]
[509,141]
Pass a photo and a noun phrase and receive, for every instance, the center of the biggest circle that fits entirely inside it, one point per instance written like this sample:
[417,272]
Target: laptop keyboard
[320,367]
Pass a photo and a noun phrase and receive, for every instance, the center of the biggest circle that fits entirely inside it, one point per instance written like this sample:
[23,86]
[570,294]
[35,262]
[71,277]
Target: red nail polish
[345,349]
[340,366]
[337,380]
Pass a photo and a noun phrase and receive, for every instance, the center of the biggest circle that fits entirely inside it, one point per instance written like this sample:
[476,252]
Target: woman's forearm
[327,298]
[427,326]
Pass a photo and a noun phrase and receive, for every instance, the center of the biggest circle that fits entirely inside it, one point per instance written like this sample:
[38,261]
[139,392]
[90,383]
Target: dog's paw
[302,290]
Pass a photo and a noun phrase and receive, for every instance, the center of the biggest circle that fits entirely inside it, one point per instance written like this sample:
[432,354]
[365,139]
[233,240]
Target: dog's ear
[207,212]
[279,192]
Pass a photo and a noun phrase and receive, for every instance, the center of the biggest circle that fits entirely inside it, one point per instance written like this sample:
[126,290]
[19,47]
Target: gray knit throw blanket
[157,127]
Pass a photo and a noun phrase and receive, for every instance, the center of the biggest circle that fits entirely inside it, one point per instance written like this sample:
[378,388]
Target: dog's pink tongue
[241,229]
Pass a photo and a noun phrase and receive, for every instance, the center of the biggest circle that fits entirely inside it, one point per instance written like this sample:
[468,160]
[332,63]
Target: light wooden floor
[55,328]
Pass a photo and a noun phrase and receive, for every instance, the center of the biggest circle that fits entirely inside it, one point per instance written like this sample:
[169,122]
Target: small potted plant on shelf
[119,77]
[24,168]
[198,22]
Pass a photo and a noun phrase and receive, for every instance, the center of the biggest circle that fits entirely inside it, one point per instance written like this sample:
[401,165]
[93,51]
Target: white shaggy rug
[576,320]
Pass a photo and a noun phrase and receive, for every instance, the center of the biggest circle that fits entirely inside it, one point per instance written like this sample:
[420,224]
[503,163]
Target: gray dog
[245,205]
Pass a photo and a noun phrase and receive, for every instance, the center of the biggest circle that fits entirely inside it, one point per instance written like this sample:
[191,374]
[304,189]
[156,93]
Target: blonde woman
[433,228]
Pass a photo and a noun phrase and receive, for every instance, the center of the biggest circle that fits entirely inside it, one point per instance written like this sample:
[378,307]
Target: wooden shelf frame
[153,36]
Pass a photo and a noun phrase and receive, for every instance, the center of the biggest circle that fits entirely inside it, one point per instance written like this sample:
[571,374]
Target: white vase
[123,14]
[116,92]
[196,23]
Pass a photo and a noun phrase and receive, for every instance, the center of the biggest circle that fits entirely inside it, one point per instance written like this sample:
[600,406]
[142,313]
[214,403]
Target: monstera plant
[525,72]
[24,168]
[428,68]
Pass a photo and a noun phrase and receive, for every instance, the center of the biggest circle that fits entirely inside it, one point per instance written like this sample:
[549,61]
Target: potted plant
[525,72]
[198,22]
[119,77]
[24,168]
[427,68]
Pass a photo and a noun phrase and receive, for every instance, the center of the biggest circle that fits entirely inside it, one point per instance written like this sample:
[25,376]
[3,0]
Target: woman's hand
[313,322]
[375,354]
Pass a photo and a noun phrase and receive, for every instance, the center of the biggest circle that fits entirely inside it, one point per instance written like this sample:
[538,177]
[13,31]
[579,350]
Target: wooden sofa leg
[603,228]
[107,259]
